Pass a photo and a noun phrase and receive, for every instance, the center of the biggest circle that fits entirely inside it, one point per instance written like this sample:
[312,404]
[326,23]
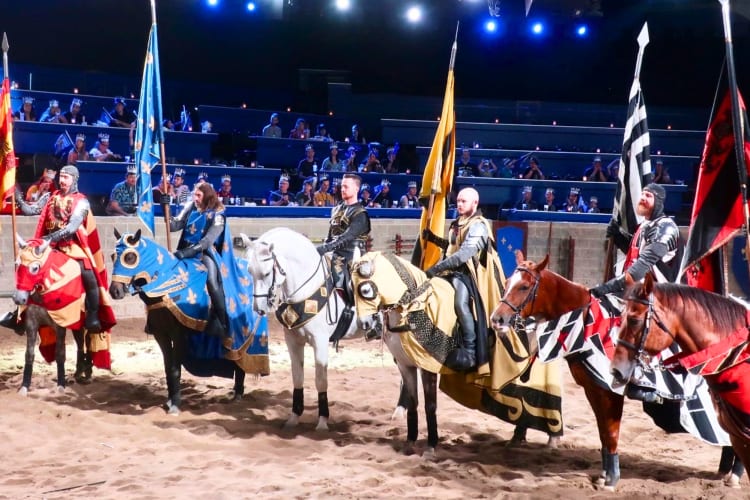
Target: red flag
[7,156]
[717,210]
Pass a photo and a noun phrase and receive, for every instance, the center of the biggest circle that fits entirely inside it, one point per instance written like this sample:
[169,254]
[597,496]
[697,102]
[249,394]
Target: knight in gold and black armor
[472,262]
[347,237]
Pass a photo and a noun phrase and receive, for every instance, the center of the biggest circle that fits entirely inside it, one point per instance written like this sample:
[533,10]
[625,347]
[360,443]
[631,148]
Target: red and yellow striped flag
[7,156]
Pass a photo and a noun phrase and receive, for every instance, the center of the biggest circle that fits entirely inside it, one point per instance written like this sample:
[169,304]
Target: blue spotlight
[414,14]
[251,6]
[537,28]
[212,3]
[490,26]
[582,30]
[343,5]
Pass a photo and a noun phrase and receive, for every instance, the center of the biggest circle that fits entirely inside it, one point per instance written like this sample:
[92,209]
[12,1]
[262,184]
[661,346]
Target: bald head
[467,202]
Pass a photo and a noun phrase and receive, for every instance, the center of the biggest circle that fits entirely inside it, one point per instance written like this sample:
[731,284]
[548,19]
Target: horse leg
[607,408]
[409,386]
[296,346]
[239,384]
[320,348]
[171,370]
[742,455]
[60,357]
[403,403]
[429,386]
[83,358]
[730,467]
[32,334]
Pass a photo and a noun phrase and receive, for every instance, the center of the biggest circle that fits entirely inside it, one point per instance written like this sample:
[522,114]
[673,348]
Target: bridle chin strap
[650,315]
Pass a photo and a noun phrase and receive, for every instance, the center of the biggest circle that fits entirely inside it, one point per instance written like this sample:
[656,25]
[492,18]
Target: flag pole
[642,42]
[738,124]
[437,177]
[6,47]
[165,182]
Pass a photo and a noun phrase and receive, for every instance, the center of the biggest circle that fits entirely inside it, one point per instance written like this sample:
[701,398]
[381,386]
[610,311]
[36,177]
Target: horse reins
[651,314]
[531,297]
[270,294]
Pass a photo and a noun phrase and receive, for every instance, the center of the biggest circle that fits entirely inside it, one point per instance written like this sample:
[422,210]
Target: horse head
[33,268]
[137,262]
[268,268]
[642,333]
[521,290]
[379,285]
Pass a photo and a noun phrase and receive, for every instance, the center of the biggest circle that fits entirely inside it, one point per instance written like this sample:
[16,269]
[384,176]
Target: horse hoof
[408,448]
[60,388]
[236,396]
[322,425]
[173,410]
[599,481]
[515,442]
[23,391]
[430,454]
[399,413]
[292,422]
[732,481]
[553,442]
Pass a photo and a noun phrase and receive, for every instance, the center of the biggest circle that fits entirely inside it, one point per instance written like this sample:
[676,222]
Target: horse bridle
[270,295]
[530,298]
[651,315]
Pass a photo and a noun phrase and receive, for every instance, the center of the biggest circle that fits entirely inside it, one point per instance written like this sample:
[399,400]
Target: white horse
[292,280]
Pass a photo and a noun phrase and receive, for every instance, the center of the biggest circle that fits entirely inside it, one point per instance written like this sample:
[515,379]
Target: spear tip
[643,36]
[6,46]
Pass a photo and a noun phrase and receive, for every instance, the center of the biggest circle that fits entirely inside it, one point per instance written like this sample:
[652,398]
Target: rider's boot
[463,358]
[645,394]
[91,285]
[10,320]
[217,320]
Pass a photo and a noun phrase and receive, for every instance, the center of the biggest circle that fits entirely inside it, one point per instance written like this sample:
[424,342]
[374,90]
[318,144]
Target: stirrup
[92,324]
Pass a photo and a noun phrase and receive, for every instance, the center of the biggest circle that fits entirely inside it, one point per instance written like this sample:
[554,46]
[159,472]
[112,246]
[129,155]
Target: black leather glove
[188,253]
[429,272]
[615,285]
[613,229]
[322,249]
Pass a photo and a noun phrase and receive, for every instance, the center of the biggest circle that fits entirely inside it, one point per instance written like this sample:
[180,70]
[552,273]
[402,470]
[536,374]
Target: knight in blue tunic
[205,235]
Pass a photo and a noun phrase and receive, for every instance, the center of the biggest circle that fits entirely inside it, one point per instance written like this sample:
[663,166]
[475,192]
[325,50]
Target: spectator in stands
[661,174]
[383,198]
[321,133]
[549,201]
[201,179]
[281,197]
[79,151]
[613,170]
[167,125]
[206,127]
[306,197]
[593,205]
[26,113]
[371,164]
[122,200]
[120,116]
[181,190]
[74,114]
[464,166]
[307,167]
[410,199]
[332,163]
[526,202]
[273,129]
[336,190]
[365,196]
[487,168]
[42,189]
[357,137]
[52,114]
[533,171]
[226,189]
[350,163]
[300,130]
[391,166]
[322,198]
[101,151]
[575,203]
[506,171]
[159,191]
[595,173]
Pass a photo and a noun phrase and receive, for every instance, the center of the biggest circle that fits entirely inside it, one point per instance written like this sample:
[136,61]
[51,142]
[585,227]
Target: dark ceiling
[383,54]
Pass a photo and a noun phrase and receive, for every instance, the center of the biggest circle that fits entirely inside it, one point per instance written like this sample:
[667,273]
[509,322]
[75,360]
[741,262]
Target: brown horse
[533,290]
[711,330]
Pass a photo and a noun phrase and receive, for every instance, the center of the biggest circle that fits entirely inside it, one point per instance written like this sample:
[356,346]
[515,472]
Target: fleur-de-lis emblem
[192,298]
[160,257]
[192,229]
[245,282]
[224,270]
[146,207]
[264,339]
[232,306]
[244,299]
[183,275]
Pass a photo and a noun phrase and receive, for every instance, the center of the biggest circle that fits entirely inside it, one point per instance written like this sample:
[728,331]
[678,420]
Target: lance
[6,47]
[738,124]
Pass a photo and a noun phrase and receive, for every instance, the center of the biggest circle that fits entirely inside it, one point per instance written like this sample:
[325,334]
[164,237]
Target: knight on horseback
[65,221]
[203,222]
[347,237]
[470,257]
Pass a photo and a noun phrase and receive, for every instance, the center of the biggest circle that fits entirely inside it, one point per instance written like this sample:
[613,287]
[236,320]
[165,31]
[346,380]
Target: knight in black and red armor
[66,221]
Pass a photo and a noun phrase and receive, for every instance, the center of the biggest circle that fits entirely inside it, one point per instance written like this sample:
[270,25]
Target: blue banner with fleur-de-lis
[149,135]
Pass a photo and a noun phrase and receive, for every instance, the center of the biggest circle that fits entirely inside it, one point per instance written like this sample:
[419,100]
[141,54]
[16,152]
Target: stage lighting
[490,26]
[414,14]
[582,30]
[537,28]
[250,6]
[212,3]
[343,4]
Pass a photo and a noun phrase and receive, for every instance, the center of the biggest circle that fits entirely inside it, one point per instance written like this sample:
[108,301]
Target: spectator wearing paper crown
[383,198]
[181,190]
[526,202]
[593,205]
[575,203]
[549,201]
[365,196]
[332,163]
[40,191]
[281,197]
[226,187]
[306,198]
[322,198]
[101,151]
[52,113]
[74,114]
[122,200]
[79,150]
[26,113]
[410,199]
[202,178]
[371,164]
[121,116]
[160,195]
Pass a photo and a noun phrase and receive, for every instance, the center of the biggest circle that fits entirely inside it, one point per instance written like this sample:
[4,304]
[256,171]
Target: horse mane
[724,314]
[561,278]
